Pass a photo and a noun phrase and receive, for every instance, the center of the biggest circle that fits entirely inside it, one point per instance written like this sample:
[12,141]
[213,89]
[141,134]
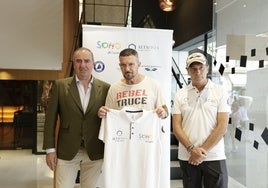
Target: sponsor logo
[143,47]
[163,130]
[119,136]
[145,138]
[108,45]
[212,102]
[133,46]
[119,133]
[150,68]
[99,66]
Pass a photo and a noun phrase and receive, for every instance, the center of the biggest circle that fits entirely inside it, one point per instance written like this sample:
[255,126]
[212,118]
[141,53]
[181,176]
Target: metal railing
[177,74]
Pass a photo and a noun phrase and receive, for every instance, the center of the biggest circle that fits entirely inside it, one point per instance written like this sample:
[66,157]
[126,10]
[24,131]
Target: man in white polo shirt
[200,120]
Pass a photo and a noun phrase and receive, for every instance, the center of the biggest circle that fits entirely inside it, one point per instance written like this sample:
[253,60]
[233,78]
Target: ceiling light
[167,5]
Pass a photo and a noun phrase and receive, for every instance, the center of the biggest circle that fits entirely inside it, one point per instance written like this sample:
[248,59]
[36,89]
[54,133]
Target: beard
[129,75]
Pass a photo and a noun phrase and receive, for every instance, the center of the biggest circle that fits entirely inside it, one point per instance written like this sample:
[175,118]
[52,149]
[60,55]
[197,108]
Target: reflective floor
[22,169]
[247,166]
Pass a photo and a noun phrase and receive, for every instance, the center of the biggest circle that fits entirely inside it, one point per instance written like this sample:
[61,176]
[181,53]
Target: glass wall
[17,114]
[242,42]
[239,63]
[23,105]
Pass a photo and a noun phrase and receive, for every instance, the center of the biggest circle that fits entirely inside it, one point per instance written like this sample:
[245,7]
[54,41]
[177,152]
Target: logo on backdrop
[99,66]
[143,47]
[109,45]
[133,46]
[151,68]
[147,68]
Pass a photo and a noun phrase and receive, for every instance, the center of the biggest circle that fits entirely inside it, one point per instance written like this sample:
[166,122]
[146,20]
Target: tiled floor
[22,169]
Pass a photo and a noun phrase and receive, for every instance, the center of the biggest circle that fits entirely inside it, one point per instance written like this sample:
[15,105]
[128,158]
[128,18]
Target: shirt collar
[207,86]
[78,81]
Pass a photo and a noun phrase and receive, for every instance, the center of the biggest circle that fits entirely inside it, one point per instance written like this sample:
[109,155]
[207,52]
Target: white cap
[196,57]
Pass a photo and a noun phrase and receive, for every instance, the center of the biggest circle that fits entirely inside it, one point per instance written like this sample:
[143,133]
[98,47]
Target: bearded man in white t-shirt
[140,92]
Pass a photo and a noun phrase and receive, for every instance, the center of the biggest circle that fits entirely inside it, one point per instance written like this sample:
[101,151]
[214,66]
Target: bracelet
[190,148]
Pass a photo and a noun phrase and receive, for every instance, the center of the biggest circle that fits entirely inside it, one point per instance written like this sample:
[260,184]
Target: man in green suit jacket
[75,101]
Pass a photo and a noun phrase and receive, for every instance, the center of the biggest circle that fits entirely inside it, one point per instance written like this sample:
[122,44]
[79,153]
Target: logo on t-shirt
[119,136]
[145,138]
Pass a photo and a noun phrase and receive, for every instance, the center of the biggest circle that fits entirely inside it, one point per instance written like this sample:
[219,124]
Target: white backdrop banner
[154,47]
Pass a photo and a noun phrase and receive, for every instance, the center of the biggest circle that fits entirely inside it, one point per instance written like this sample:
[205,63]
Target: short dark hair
[129,52]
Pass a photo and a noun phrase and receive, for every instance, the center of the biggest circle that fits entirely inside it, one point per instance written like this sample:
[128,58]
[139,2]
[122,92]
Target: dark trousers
[209,174]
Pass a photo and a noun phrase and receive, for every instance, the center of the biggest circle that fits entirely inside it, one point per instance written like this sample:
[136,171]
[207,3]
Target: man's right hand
[51,159]
[103,111]
[198,155]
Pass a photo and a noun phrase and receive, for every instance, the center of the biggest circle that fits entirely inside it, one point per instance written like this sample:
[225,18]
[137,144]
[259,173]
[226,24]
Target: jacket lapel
[75,94]
[95,90]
